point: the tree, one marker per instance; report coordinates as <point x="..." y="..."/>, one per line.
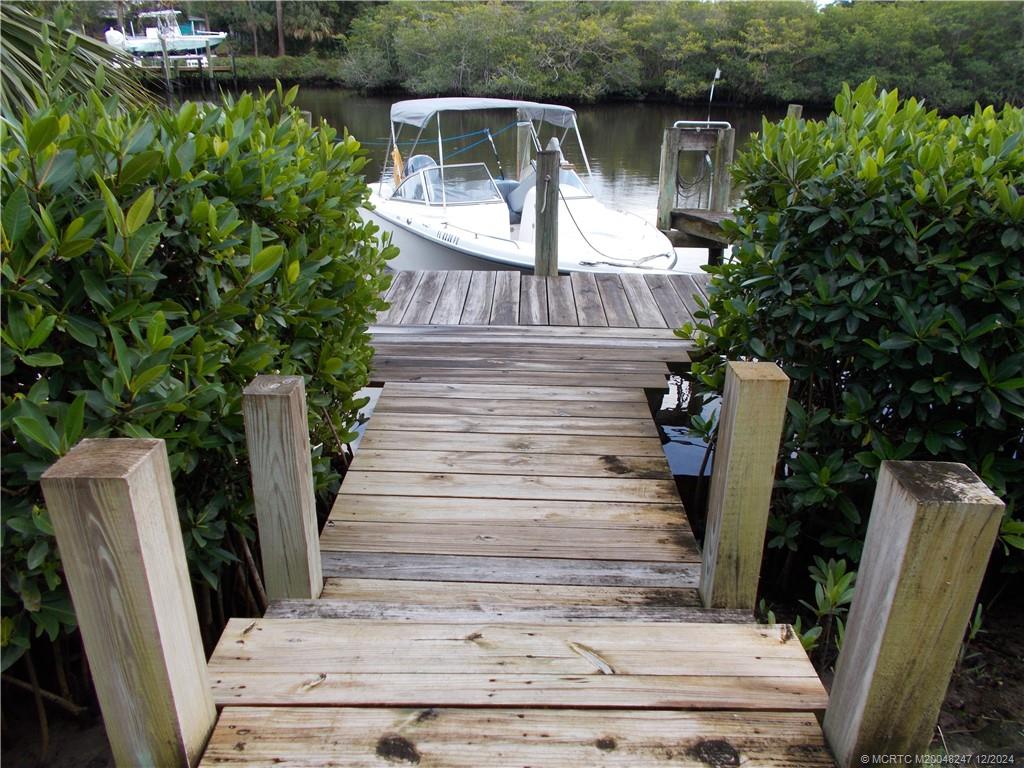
<point x="280" y="28"/>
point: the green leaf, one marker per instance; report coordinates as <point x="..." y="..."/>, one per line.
<point x="43" y="359"/>
<point x="186" y="116"/>
<point x="818" y="223"/>
<point x="140" y="167"/>
<point x="41" y="332"/>
<point x="42" y="133"/>
<point x="113" y="207"/>
<point x="121" y="356"/>
<point x="267" y="260"/>
<point x="74" y="421"/>
<point x="139" y="212"/>
<point x="17" y="215"/>
<point x="37" y="554"/>
<point x="39" y="432"/>
<point x="147" y="377"/>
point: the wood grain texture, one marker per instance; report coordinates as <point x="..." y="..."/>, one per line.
<point x="535" y="613"/>
<point x="505" y="305"/>
<point x="656" y="649"/>
<point x="484" y="486"/>
<point x="499" y="738"/>
<point x="477" y="310"/>
<point x="663" y="545"/>
<point x="507" y="361"/>
<point x="518" y="377"/>
<point x="653" y="665"/>
<point x="113" y="511"/>
<point x="535" y="512"/>
<point x="277" y="436"/>
<point x="589" y="307"/>
<point x="561" y="302"/>
<point x="424" y="300"/>
<point x="687" y="290"/>
<point x="449" y="594"/>
<point x="584" y="445"/>
<point x="470" y="406"/>
<point x="668" y="301"/>
<point x="400" y="296"/>
<point x="546" y="205"/>
<point x="641" y="302"/>
<point x="930" y="535"/>
<point x="448" y="310"/>
<point x="529" y="349"/>
<point x="541" y="464"/>
<point x="513" y="392"/>
<point x="509" y="570"/>
<point x="655" y="333"/>
<point x="508" y="425"/>
<point x="533" y="300"/>
<point x="749" y="433"/>
<point x="615" y="301"/>
<point x="497" y="689"/>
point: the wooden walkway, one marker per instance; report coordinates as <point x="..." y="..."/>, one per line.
<point x="509" y="573"/>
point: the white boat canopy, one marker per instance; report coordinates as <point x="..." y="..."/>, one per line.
<point x="418" y="112"/>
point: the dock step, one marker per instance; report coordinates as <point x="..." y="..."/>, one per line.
<point x="322" y="662"/>
<point x="501" y="738"/>
<point x="455" y="601"/>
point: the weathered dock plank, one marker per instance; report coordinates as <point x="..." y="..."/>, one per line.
<point x="539" y="513"/>
<point x="505" y="304"/>
<point x="510" y="570"/>
<point x="475" y="738"/>
<point x="550" y="464"/>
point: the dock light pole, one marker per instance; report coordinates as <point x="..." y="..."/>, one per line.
<point x="549" y="163"/>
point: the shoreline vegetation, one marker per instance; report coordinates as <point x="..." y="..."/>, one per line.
<point x="950" y="54"/>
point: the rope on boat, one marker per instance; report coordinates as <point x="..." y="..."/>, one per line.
<point x="611" y="260"/>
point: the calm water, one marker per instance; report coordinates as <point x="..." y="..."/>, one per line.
<point x="623" y="140"/>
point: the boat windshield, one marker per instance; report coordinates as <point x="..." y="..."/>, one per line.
<point x="571" y="185"/>
<point x="471" y="183"/>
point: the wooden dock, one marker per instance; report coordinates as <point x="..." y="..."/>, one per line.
<point x="507" y="577"/>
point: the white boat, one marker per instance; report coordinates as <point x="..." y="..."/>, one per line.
<point x="458" y="216"/>
<point x="166" y="31"/>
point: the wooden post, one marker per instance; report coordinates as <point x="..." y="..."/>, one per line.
<point x="167" y="73"/>
<point x="546" y="232"/>
<point x="524" y="144"/>
<point x="234" y="71"/>
<point x="667" y="173"/>
<point x="794" y="110"/>
<point x="209" y="64"/>
<point x="749" y="432"/>
<point x="116" y="523"/>
<point x="277" y="434"/>
<point x="932" y="528"/>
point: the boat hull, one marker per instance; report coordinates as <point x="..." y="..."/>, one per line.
<point x="436" y="242"/>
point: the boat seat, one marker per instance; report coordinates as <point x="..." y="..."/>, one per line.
<point x="505" y="187"/>
<point x="517" y="197"/>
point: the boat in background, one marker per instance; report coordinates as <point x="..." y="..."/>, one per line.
<point x="166" y="31"/>
<point x="459" y="216"/>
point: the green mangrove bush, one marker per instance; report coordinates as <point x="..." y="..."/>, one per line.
<point x="879" y="260"/>
<point x="155" y="261"/>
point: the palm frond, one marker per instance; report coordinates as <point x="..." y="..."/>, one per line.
<point x="27" y="41"/>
